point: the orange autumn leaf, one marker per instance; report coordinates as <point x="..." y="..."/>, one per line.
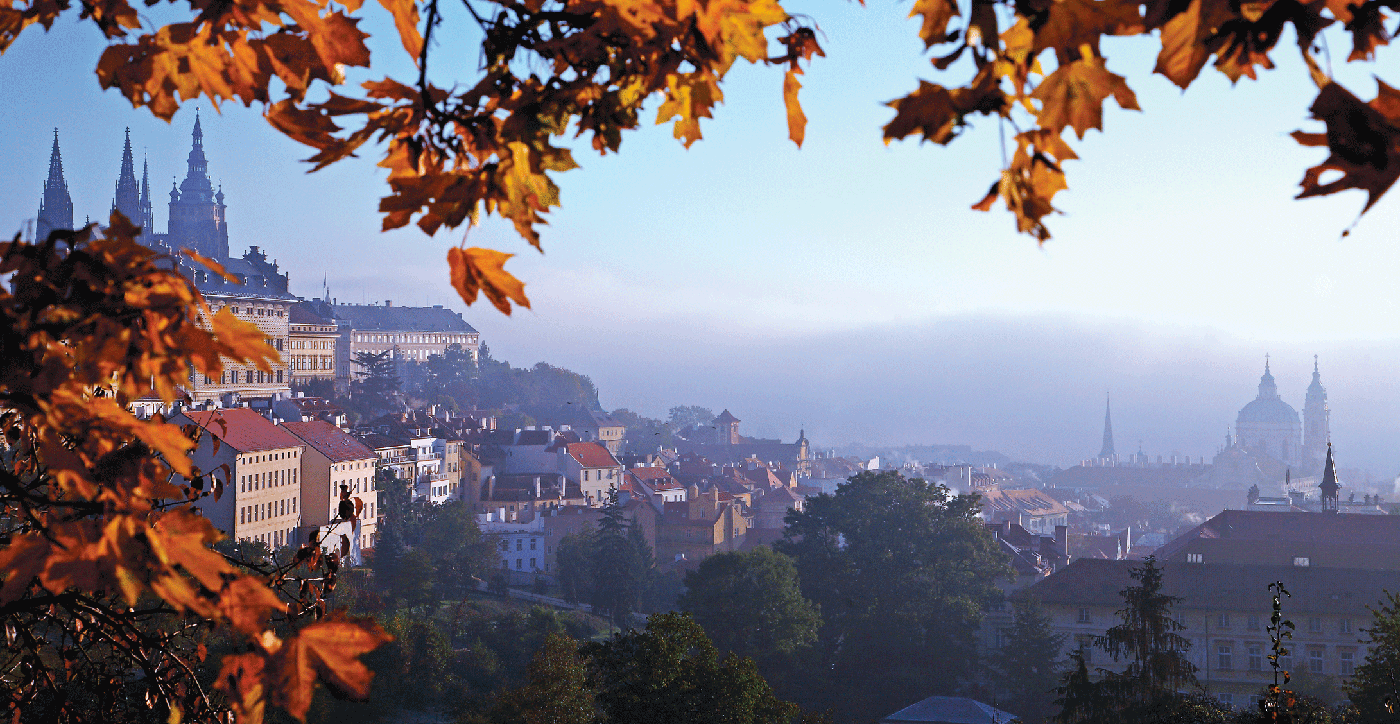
<point x="476" y="270"/>
<point x="328" y="651"/>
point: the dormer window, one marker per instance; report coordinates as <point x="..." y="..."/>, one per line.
<point x="1301" y="561"/>
<point x="1195" y="558"/>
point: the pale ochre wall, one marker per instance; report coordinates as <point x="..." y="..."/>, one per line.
<point x="280" y="469"/>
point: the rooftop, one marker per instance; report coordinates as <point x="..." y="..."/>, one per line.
<point x="329" y="440"/>
<point x="243" y="429"/>
<point x="403" y="319"/>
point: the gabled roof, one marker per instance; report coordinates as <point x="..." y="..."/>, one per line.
<point x="243" y="430"/>
<point x="591" y="455"/>
<point x="1031" y="502"/>
<point x="329" y="440"/>
<point x="951" y="710"/>
<point x="725" y="418"/>
<point x="403" y="319"/>
<point x="1266" y="526"/>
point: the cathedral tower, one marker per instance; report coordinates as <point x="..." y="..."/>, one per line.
<point x="196" y="212"/>
<point x="147" y="220"/>
<point x="128" y="195"/>
<point x="1316" y="421"/>
<point x="1107" y="451"/>
<point x="56" y="208"/>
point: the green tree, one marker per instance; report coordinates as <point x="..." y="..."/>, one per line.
<point x="616" y="566"/>
<point x="558" y="690"/>
<point x="1147" y="638"/>
<point x="575" y="562"/>
<point x="751" y="604"/>
<point x="378" y="390"/>
<point x="670" y="672"/>
<point x="1082" y="699"/>
<point x="1028" y="664"/>
<point x="1375" y="687"/>
<point x="684" y="416"/>
<point x="900" y="569"/>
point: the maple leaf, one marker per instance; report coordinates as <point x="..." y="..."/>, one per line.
<point x="939" y="112"/>
<point x="797" y="120"/>
<point x="327" y="650"/>
<point x="1184" y="52"/>
<point x="1364" y="140"/>
<point x="937" y="14"/>
<point x="689" y="97"/>
<point x="483" y="270"/>
<point x="1366" y="23"/>
<point x="1069" y="24"/>
<point x="1074" y="94"/>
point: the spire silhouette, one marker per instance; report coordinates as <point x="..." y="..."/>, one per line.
<point x="56" y="206"/>
<point x="1329" y="486"/>
<point x="1107" y="451"/>
<point x="128" y="193"/>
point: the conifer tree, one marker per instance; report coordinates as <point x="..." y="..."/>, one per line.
<point x="1148" y="639"/>
<point x="1029" y="662"/>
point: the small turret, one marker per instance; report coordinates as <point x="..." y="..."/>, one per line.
<point x="1329" y="486"/>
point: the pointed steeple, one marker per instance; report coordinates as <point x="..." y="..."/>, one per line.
<point x="128" y="193"/>
<point x="196" y="212"/>
<point x="1107" y="451"/>
<point x="1329" y="486"/>
<point x="56" y="207"/>
<point x="196" y="186"/>
<point x="148" y="220"/>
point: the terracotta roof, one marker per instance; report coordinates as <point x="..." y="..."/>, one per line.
<point x="243" y="430"/>
<point x="329" y="440"/>
<point x="1032" y="502"/>
<point x="1224" y="587"/>
<point x="649" y="473"/>
<point x="591" y="455"/>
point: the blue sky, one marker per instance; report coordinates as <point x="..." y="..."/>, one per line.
<point x="711" y="275"/>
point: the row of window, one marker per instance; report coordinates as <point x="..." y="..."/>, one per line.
<point x="302" y="362"/>
<point x="269" y="479"/>
<point x="519" y="544"/>
<point x="1299" y="561"/>
<point x="312" y="344"/>
<point x="270" y="509"/>
<point x="268" y="457"/>
<point x="1256" y="659"/>
<point x="519" y="564"/>
<point x="276" y="538"/>
<point x="410" y="338"/>
<point x="599" y="475"/>
<point x="235" y="377"/>
<point x="1252" y="622"/>
<point x="258" y="311"/>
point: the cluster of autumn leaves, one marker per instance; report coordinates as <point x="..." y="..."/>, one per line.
<point x="550" y="68"/>
<point x="101" y="509"/>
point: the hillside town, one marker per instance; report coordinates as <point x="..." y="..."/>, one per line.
<point x="368" y="415"/>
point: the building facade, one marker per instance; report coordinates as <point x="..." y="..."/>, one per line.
<point x="311" y="342"/>
<point x="408" y="334"/>
<point x="335" y="458"/>
<point x="262" y="495"/>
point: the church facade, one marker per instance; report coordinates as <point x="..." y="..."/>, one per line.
<point x="197" y="223"/>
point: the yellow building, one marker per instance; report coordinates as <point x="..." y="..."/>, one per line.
<point x="311" y="342"/>
<point x="261" y="499"/>
<point x="334" y="458"/>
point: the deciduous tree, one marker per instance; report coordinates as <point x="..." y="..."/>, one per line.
<point x="111" y="585"/>
<point x="900" y="569"/>
<point x="750" y="604"/>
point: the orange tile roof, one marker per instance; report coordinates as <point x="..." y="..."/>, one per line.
<point x="329" y="440"/>
<point x="243" y="430"/>
<point x="591" y="455"/>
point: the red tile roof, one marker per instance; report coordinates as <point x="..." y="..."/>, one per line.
<point x="329" y="440"/>
<point x="650" y="473"/>
<point x="243" y="430"/>
<point x="592" y="455"/>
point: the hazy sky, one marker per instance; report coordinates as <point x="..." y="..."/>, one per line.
<point x="847" y="286"/>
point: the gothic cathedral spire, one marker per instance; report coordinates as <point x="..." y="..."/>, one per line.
<point x="1107" y="451"/>
<point x="147" y="220"/>
<point x="56" y="207"/>
<point x="128" y="196"/>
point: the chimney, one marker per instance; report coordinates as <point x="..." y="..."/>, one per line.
<point x="491" y="488"/>
<point x="1062" y="544"/>
<point x="537" y="487"/>
<point x="388" y="302"/>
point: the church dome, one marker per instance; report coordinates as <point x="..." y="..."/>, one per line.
<point x="1268" y="411"/>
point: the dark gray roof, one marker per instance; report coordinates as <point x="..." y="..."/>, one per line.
<point x="950" y="710"/>
<point x="406" y="319"/>
<point x="1222" y="587"/>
